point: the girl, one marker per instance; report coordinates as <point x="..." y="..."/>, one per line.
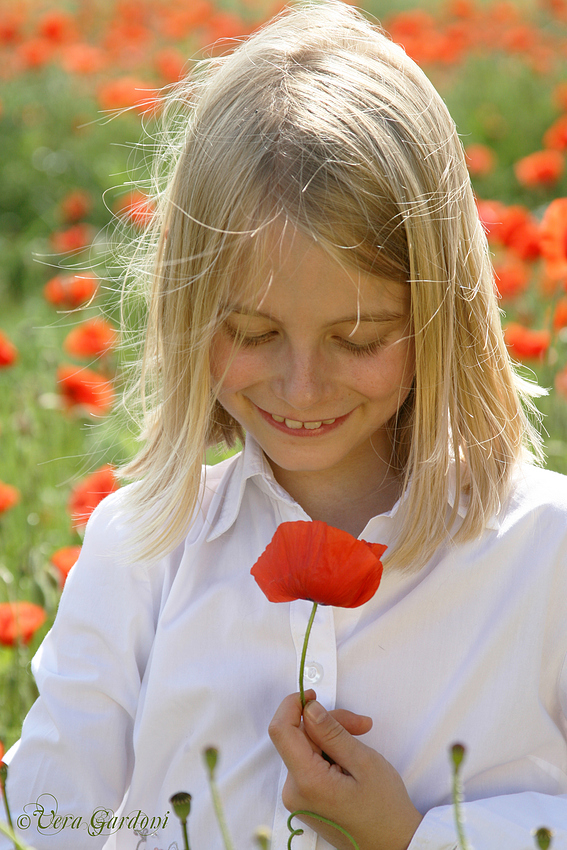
<point x="319" y="288"/>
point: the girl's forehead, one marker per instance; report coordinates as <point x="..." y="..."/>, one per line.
<point x="297" y="271"/>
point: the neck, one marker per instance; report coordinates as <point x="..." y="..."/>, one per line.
<point x="348" y="503"/>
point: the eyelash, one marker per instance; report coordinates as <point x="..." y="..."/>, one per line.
<point x="358" y="350"/>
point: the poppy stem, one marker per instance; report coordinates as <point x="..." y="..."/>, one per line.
<point x="304" y="653"/>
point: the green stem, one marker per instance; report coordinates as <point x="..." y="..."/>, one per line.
<point x="457" y="799"/>
<point x="185" y="834"/>
<point x="304" y="654"/>
<point x="217" y="805"/>
<point x="18" y="845"/>
<point x="320" y="818"/>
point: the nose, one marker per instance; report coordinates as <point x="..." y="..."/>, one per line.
<point x="302" y="380"/>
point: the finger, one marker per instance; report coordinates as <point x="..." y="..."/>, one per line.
<point x="355" y="724"/>
<point x="333" y="738"/>
<point x="287" y="733"/>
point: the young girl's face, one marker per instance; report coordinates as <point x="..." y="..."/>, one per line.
<point x="325" y="362"/>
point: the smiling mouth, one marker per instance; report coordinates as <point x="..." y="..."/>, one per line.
<point x="295" y="424"/>
<point x="301" y="427"/>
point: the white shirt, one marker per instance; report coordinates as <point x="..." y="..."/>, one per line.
<point x="147" y="665"/>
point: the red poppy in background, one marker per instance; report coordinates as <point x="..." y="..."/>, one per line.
<point x="512" y="277"/>
<point x="560" y="383"/>
<point x="57" y="26"/>
<point x="136" y="207"/>
<point x="71" y="290"/>
<point x="178" y="22"/>
<point x="93" y="338"/>
<point x="555" y="136"/>
<point x="560" y="95"/>
<point x="89" y="493"/>
<point x="75" y="238"/>
<point x="75" y="205"/>
<point x="560" y="314"/>
<point x="513" y="226"/>
<point x="8" y="351"/>
<point x="85" y="388"/>
<point x="170" y="64"/>
<point x="82" y="58"/>
<point x="35" y="52"/>
<point x="525" y="343"/>
<point x="9" y="496"/>
<point x="127" y="93"/>
<point x="19" y="621"/>
<point x="313" y="560"/>
<point x="542" y="168"/>
<point x="553" y="239"/>
<point x="64" y="559"/>
<point x="481" y="160"/>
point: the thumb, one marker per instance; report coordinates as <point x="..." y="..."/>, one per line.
<point x="328" y="734"/>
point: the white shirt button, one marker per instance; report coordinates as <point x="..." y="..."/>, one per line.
<point x="313" y="672"/>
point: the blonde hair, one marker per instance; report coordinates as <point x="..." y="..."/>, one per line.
<point x="320" y="121"/>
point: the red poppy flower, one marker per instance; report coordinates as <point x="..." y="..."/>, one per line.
<point x="8" y="351"/>
<point x="525" y="343"/>
<point x="35" y="52"/>
<point x="512" y="277"/>
<point x="136" y="207"/>
<point x="57" y="26"/>
<point x="87" y="495"/>
<point x="560" y="314"/>
<point x="75" y="238"/>
<point x="93" y="338"/>
<point x="313" y="560"/>
<point x="560" y="382"/>
<point x="553" y="239"/>
<point x="480" y="160"/>
<point x="542" y="168"/>
<point x="556" y="135"/>
<point x="127" y="93"/>
<point x="82" y="58"/>
<point x="75" y="205"/>
<point x="560" y="95"/>
<point x="9" y="496"/>
<point x="19" y="621"/>
<point x="64" y="559"/>
<point x="85" y="388"/>
<point x="71" y="290"/>
<point x="170" y="64"/>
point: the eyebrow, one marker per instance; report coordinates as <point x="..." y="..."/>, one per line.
<point x="382" y="316"/>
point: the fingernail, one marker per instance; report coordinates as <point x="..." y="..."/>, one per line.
<point x="316" y="711"/>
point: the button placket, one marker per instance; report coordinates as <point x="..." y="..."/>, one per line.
<point x="321" y="666"/>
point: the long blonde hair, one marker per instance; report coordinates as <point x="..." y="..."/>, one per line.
<point x="319" y="121"/>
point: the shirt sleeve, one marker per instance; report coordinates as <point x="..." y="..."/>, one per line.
<point x="88" y="671"/>
<point x="506" y="821"/>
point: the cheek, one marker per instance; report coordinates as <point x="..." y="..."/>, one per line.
<point x="232" y="370"/>
<point x="389" y="376"/>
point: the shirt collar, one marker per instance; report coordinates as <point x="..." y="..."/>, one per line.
<point x="251" y="463"/>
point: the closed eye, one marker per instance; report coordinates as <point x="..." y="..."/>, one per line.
<point x="361" y="350"/>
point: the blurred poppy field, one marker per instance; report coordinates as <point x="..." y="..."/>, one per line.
<point x="78" y="88"/>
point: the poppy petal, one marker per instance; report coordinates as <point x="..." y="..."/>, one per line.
<point x="312" y="560"/>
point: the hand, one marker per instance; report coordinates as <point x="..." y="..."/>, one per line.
<point x="360" y="791"/>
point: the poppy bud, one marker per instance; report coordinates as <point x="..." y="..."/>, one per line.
<point x="211" y="757"/>
<point x="262" y="837"/>
<point x="543" y="838"/>
<point x="181" y="803"/>
<point x="458" y="754"/>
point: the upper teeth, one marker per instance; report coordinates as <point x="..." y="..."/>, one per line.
<point x="295" y="423"/>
